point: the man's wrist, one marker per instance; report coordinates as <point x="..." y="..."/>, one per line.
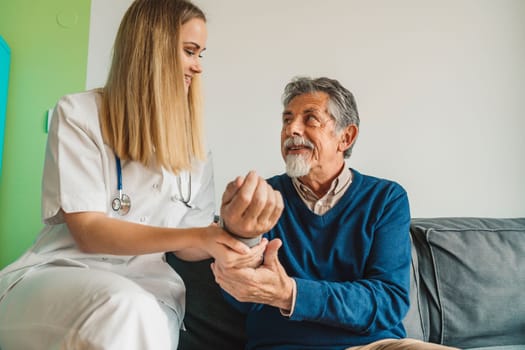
<point x="250" y="242"/>
<point x="290" y="300"/>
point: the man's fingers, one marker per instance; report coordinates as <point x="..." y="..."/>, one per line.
<point x="270" y="255"/>
<point x="237" y="202"/>
<point x="259" y="201"/>
<point x="231" y="189"/>
<point x="272" y="211"/>
<point x="250" y="206"/>
<point x="233" y="212"/>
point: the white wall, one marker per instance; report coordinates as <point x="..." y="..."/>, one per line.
<point x="439" y="86"/>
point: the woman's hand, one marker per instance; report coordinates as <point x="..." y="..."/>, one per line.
<point x="229" y="251"/>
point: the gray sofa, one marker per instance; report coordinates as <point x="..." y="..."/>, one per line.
<point x="468" y="282"/>
<point x="467" y="289"/>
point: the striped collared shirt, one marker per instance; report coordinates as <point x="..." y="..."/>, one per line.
<point x="321" y="205"/>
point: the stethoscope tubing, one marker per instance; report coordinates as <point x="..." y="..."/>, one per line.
<point x="119" y="174"/>
<point x="122" y="203"/>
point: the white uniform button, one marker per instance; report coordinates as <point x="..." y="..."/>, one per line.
<point x="143" y="219"/>
<point x="155" y="186"/>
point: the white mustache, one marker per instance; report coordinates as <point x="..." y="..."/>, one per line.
<point x="298" y="141"/>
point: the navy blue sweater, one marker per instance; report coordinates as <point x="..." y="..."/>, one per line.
<point x="351" y="266"/>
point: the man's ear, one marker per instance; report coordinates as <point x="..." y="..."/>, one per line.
<point x="348" y="137"/>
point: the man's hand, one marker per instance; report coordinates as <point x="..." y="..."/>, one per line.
<point x="250" y="206"/>
<point x="268" y="284"/>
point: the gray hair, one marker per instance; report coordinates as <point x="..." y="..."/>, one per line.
<point x="341" y="103"/>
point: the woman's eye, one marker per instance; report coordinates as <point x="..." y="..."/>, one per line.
<point x="192" y="52"/>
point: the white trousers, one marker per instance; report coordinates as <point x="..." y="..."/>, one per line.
<point x="80" y="308"/>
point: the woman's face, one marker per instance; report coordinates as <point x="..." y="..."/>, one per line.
<point x="193" y="35"/>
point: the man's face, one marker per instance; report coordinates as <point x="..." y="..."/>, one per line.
<point x="309" y="143"/>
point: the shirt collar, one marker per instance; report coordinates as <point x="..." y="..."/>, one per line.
<point x="340" y="183"/>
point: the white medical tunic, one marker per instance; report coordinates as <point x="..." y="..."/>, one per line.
<point x="80" y="175"/>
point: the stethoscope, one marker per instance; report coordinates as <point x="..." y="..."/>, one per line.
<point x="122" y="203"/>
<point x="180" y="197"/>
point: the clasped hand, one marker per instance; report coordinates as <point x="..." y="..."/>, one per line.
<point x="250" y="206"/>
<point x="265" y="284"/>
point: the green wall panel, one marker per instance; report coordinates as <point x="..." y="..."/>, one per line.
<point x="49" y="44"/>
<point x="5" y="59"/>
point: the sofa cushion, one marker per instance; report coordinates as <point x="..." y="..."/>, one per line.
<point x="210" y="322"/>
<point x="471" y="280"/>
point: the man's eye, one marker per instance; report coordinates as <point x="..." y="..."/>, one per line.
<point x="311" y="120"/>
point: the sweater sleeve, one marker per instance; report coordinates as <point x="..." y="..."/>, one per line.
<point x="379" y="299"/>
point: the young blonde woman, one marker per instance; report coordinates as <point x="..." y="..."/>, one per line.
<point x="127" y="178"/>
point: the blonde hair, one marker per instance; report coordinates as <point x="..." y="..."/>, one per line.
<point x="146" y="115"/>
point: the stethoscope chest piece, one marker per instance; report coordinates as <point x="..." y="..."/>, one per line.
<point x="121" y="204"/>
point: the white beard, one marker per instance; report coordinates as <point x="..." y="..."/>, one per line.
<point x="297" y="165"/>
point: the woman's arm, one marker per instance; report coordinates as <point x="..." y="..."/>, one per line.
<point x="94" y="232"/>
<point x="97" y="233"/>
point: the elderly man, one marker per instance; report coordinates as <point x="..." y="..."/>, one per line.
<point x="336" y="270"/>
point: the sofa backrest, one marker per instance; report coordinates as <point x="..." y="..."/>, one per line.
<point x="468" y="281"/>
